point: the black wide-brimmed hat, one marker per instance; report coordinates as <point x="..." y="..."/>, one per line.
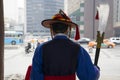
<point x="63" y="18"/>
<point x="60" y="17"/>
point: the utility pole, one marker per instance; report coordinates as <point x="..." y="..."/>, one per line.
<point x="94" y="19"/>
<point x="1" y="41"/>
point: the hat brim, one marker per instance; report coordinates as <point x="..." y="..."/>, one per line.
<point x="47" y="23"/>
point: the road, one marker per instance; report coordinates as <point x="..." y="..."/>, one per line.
<point x="16" y="62"/>
<point x="108" y="62"/>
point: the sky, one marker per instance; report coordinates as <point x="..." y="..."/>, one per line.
<point x="11" y="8"/>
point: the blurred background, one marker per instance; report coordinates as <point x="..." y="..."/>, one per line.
<point x="22" y="25"/>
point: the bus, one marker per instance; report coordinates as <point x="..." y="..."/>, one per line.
<point x="13" y="37"/>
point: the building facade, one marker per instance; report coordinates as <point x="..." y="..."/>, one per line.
<point x="91" y="25"/>
<point x="83" y="13"/>
<point x="116" y="11"/>
<point x="72" y="6"/>
<point x="116" y="18"/>
<point x="75" y="10"/>
<point x="38" y="10"/>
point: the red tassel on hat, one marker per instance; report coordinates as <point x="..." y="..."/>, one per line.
<point x="97" y="16"/>
<point x="77" y="35"/>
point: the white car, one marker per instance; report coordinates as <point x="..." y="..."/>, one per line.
<point x="115" y="40"/>
<point x="84" y="40"/>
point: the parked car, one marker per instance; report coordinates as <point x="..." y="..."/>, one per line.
<point x="115" y="40"/>
<point x="106" y="43"/>
<point x="84" y="40"/>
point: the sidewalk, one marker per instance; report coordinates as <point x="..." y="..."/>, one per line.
<point x="16" y="63"/>
<point x="21" y="77"/>
<point x="110" y="77"/>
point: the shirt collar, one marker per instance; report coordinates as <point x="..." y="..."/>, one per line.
<point x="60" y="36"/>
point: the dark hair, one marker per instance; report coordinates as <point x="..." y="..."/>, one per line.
<point x="59" y="27"/>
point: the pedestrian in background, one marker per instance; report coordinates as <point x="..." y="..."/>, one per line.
<point x="28" y="47"/>
<point x="62" y="58"/>
<point x="38" y="43"/>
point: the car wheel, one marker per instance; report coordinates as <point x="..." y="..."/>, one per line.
<point x="94" y="46"/>
<point x="110" y="46"/>
<point x="13" y="43"/>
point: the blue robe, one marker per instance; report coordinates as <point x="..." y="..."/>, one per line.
<point x="85" y="69"/>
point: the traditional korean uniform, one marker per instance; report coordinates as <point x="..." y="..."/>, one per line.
<point x="53" y="63"/>
<point x="61" y="58"/>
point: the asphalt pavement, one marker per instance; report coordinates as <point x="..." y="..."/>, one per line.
<point x="16" y="62"/>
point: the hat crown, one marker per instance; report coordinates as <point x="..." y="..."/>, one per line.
<point x="61" y="16"/>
